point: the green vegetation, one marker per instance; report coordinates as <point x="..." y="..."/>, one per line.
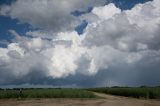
<point x="45" y="93"/>
<point x="137" y="92"/>
<point x="141" y="92"/>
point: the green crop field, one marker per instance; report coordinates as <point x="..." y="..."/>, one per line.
<point x="136" y="92"/>
<point x="45" y="93"/>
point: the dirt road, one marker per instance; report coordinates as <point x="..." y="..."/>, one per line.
<point x="107" y="100"/>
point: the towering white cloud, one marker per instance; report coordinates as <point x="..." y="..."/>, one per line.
<point x="119" y="45"/>
<point x="129" y="30"/>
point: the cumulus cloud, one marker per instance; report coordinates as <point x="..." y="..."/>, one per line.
<point x="117" y="47"/>
<point x="106" y="12"/>
<point x="124" y="31"/>
<point x="49" y="14"/>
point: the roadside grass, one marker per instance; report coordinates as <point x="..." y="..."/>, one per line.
<point x="136" y="92"/>
<point x="45" y="93"/>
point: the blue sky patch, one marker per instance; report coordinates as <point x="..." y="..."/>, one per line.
<point x="81" y="27"/>
<point x="126" y="4"/>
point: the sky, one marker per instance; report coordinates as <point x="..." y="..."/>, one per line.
<point x="75" y="43"/>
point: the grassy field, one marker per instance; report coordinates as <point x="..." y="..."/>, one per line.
<point x="141" y="92"/>
<point x="137" y="92"/>
<point x="45" y="93"/>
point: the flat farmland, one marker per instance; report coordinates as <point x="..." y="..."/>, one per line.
<point x="69" y="97"/>
<point x="106" y="100"/>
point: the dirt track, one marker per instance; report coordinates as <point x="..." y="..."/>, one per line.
<point x="107" y="100"/>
